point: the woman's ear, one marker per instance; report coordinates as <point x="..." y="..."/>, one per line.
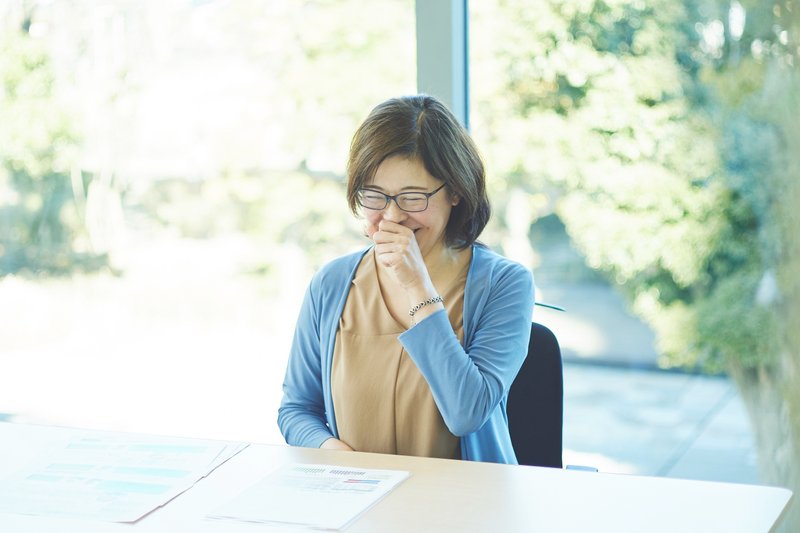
<point x="454" y="200"/>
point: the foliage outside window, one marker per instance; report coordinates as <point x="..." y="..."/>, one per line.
<point x="665" y="136"/>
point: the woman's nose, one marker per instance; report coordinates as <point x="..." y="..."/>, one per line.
<point x="393" y="213"/>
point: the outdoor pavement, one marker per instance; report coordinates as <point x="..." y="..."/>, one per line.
<point x="624" y="415"/>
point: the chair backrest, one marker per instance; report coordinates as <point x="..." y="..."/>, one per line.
<point x="536" y="402"/>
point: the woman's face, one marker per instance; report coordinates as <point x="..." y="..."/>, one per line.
<point x="398" y="174"/>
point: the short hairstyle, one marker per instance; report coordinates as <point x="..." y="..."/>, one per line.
<point x="421" y="127"/>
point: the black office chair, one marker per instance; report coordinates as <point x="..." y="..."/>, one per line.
<point x="536" y="402"/>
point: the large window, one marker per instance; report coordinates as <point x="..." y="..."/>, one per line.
<point x="643" y="162"/>
<point x="171" y="174"/>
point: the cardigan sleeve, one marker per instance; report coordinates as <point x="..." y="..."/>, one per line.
<point x="301" y="416"/>
<point x="467" y="383"/>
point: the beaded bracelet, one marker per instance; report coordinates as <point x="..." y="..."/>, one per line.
<point x="429" y="301"/>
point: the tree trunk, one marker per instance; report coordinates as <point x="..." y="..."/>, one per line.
<point x="769" y="394"/>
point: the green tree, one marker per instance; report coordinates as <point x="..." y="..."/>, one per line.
<point x="39" y="223"/>
<point x="195" y="115"/>
<point x="755" y="83"/>
<point x="669" y="131"/>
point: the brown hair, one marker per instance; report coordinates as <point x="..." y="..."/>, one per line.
<point x="422" y="127"/>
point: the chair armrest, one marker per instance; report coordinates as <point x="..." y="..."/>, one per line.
<point x="581" y="468"/>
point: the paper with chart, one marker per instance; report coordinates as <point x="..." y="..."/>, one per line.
<point x="114" y="478"/>
<point x="316" y="496"/>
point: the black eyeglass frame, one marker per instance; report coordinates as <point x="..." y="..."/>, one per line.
<point x="389" y="198"/>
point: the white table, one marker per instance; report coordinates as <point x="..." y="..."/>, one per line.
<point x="444" y="495"/>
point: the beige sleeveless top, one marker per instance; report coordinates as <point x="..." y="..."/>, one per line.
<point x="382" y="402"/>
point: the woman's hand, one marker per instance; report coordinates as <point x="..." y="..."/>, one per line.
<point x="397" y="250"/>
<point x="335" y="444"/>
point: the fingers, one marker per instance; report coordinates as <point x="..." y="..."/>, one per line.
<point x="384" y="237"/>
<point x="396" y="249"/>
<point x="392" y="227"/>
<point x="389" y="254"/>
<point x="392" y="232"/>
<point x="389" y="227"/>
<point x="335" y="444"/>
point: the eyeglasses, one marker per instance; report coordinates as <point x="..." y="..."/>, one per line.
<point x="411" y="202"/>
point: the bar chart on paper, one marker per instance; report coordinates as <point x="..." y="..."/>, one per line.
<point x="107" y="477"/>
<point x="311" y="495"/>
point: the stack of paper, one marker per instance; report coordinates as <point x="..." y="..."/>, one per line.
<point x="318" y="496"/>
<point x="111" y="477"/>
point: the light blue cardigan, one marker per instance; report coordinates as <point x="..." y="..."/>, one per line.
<point x="469" y="384"/>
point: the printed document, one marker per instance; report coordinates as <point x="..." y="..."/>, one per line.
<point x="108" y="477"/>
<point x="309" y="495"/>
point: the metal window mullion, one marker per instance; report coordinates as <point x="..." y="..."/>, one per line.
<point x="442" y="53"/>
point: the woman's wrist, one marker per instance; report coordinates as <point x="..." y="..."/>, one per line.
<point x="423" y="300"/>
<point x="432" y="304"/>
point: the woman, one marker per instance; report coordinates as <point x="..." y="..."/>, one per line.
<point x="410" y="346"/>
